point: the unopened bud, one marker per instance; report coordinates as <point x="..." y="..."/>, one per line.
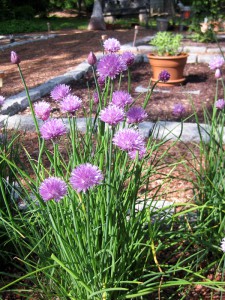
<point x="92" y="59"/>
<point x="217" y="74"/>
<point x="14" y="58"/>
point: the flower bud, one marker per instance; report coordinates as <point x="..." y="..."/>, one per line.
<point x="92" y="59"/>
<point x="14" y="58"/>
<point x="217" y="74"/>
<point x="164" y="76"/>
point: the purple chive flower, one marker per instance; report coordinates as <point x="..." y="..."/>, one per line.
<point x="111" y="45"/>
<point x="2" y="99"/>
<point x="121" y="98"/>
<point x="222" y="246"/>
<point x="112" y="115"/>
<point x="178" y="110"/>
<point x="164" y="76"/>
<point x="218" y="74"/>
<point x="130" y="140"/>
<point x="128" y="57"/>
<point x="60" y="91"/>
<point x="53" y="188"/>
<point x="85" y="176"/>
<point x="70" y="104"/>
<point x="101" y="81"/>
<point x="95" y="97"/>
<point x="91" y="59"/>
<point x="216" y="62"/>
<point x="220" y="104"/>
<point x="15" y="59"/>
<point x="52" y="129"/>
<point x="136" y="114"/>
<point x="110" y="65"/>
<point x="42" y="110"/>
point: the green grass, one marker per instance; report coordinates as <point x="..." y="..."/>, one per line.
<point x="40" y="25"/>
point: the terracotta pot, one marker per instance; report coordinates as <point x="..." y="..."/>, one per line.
<point x="173" y="64"/>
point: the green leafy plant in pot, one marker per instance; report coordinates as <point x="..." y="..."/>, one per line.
<point x="168" y="56"/>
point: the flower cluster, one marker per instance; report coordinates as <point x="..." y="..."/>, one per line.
<point x="215" y="64"/>
<point x="164" y="76"/>
<point x="112" y="64"/>
<point x="179" y="110"/>
<point x="220" y="104"/>
<point x="83" y="177"/>
<point x="131" y="141"/>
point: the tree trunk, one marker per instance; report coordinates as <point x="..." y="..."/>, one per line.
<point x="97" y="21"/>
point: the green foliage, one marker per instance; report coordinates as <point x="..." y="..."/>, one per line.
<point x="167" y="43"/>
<point x="206" y="37"/>
<point x="25" y="12"/>
<point x="40" y="25"/>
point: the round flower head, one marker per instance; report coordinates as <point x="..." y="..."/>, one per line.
<point x="2" y="99"/>
<point x="216" y="62"/>
<point x="14" y="57"/>
<point x="53" y="188"/>
<point x="178" y="110"/>
<point x="121" y="98"/>
<point x="218" y="74"/>
<point x="70" y="104"/>
<point x="164" y="76"/>
<point x="130" y="140"/>
<point x="91" y="59"/>
<point x="136" y="114"/>
<point x="111" y="45"/>
<point x="223" y="245"/>
<point x="110" y="66"/>
<point x="112" y="115"/>
<point x="52" y="129"/>
<point x="220" y="104"/>
<point x="85" y="176"/>
<point x="42" y="110"/>
<point x="128" y="57"/>
<point x="60" y="91"/>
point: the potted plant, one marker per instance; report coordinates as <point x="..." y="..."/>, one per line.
<point x="168" y="57"/>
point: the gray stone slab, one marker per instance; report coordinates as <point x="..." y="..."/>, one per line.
<point x="138" y="58"/>
<point x="192" y="58"/>
<point x="141" y="89"/>
<point x="63" y="79"/>
<point x="215" y="50"/>
<point x="186" y="132"/>
<point x="128" y="48"/>
<point x="84" y="67"/>
<point x="76" y="75"/>
<point x="21" y="122"/>
<point x="146" y="128"/>
<point x="146" y="49"/>
<point x="193" y="49"/>
<point x="204" y="58"/>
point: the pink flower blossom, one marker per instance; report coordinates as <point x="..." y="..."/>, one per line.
<point x="121" y="98"/>
<point x="111" y="45"/>
<point x="128" y="57"/>
<point x="110" y="66"/>
<point x="112" y="115"/>
<point x="2" y="99"/>
<point x="136" y="114"/>
<point x="52" y="129"/>
<point x="131" y="141"/>
<point x="216" y="62"/>
<point x="53" y="188"/>
<point x="42" y="110"/>
<point x="85" y="176"/>
<point x="60" y="91"/>
<point x="220" y="104"/>
<point x="70" y="104"/>
<point x="15" y="59"/>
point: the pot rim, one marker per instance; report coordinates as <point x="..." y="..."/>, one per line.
<point x="168" y="57"/>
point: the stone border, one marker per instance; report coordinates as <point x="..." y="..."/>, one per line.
<point x="31" y="40"/>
